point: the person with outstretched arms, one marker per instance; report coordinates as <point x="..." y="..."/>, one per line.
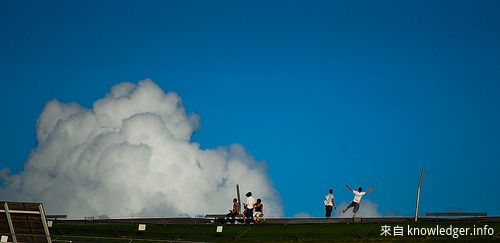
<point x="357" y="199"/>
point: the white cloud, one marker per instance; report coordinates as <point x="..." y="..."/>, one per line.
<point x="132" y="154"/>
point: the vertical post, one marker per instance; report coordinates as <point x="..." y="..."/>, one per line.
<point x="44" y="223"/>
<point x="238" y="194"/>
<point x="418" y="194"/>
<point x="9" y="221"/>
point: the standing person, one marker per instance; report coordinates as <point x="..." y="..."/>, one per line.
<point x="258" y="211"/>
<point x="329" y="204"/>
<point x="249" y="208"/>
<point x="357" y="199"/>
<point x="235" y="211"/>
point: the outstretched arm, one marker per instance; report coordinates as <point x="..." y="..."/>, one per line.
<point x="371" y="188"/>
<point x="348" y="187"/>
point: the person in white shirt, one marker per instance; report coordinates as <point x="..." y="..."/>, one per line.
<point x="357" y="199"/>
<point x="329" y="204"/>
<point x="249" y="208"/>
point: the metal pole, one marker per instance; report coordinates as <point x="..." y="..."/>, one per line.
<point x="238" y="192"/>
<point x="9" y="221"/>
<point x="418" y="194"/>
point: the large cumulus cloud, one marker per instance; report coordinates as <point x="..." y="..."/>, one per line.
<point x="132" y="154"/>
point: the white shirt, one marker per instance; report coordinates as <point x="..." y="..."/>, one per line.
<point x="250" y="202"/>
<point x="328" y="200"/>
<point x="357" y="196"/>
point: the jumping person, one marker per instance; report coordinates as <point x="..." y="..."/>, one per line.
<point x="235" y="211"/>
<point x="249" y="208"/>
<point x="357" y="199"/>
<point x="329" y="204"/>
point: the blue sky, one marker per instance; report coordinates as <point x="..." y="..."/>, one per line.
<point x="325" y="92"/>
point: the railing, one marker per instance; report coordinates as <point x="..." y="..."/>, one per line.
<point x="32" y="218"/>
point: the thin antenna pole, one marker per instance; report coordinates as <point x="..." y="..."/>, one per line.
<point x="238" y="193"/>
<point x="418" y="194"/>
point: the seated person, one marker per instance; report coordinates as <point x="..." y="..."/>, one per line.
<point x="244" y="214"/>
<point x="235" y="211"/>
<point x="258" y="214"/>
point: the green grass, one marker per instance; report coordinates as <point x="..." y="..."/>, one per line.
<point x="253" y="233"/>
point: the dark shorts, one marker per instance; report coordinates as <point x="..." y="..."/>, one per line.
<point x="328" y="211"/>
<point x="355" y="205"/>
<point x="249" y="216"/>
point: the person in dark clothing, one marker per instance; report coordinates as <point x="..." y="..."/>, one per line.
<point x="258" y="211"/>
